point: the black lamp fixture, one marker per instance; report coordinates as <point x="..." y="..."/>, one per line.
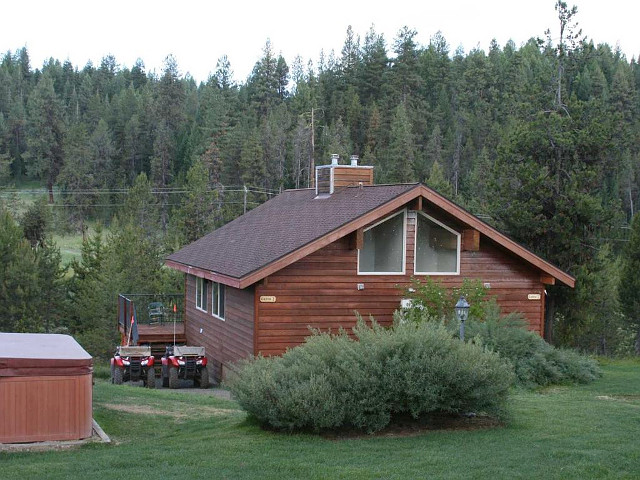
<point x="462" y="313"/>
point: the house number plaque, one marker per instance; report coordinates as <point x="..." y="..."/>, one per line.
<point x="267" y="299"/>
<point x="534" y="296"/>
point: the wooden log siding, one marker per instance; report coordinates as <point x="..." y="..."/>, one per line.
<point x="227" y="340"/>
<point x="320" y="291"/>
<point x="348" y="176"/>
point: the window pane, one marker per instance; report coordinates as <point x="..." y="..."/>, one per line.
<point x="217" y="299"/>
<point x="382" y="250"/>
<point x="204" y="294"/>
<point x="214" y="297"/>
<point x="198" y="292"/>
<point x="436" y="248"/>
<point x="221" y="300"/>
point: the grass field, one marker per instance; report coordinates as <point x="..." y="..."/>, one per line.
<point x="70" y="245"/>
<point x="569" y="432"/>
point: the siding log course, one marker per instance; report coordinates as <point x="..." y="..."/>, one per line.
<point x="225" y="341"/>
<point x="320" y="291"/>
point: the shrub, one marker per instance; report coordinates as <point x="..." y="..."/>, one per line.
<point x="536" y="363"/>
<point x="429" y="299"/>
<point x="335" y="381"/>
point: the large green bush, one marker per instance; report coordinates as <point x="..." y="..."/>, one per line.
<point x="536" y="363"/>
<point x="335" y="381"/>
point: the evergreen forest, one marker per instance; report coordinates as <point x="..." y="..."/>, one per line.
<point x="540" y="140"/>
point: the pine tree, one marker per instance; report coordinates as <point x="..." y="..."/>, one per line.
<point x="401" y="153"/>
<point x="19" y="279"/>
<point x="141" y="208"/>
<point x="77" y="178"/>
<point x="630" y="281"/>
<point x="46" y="134"/>
<point x="195" y="216"/>
<point x="438" y="182"/>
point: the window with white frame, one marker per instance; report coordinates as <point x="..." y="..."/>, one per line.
<point x="201" y="294"/>
<point x="383" y="249"/>
<point x="217" y="300"/>
<point x="437" y="247"/>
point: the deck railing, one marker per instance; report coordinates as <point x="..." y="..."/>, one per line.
<point x="149" y="309"/>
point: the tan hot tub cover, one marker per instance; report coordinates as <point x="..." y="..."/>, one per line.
<point x="45" y="388"/>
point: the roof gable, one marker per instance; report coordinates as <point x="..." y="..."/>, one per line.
<point x="296" y="223"/>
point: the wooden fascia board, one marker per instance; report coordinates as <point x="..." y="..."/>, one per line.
<point x="200" y="272"/>
<point x="382" y="210"/>
<point x="496" y="236"/>
<point x="331" y="237"/>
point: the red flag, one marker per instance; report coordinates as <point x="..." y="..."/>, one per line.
<point x="131" y="319"/>
<point x="175" y="308"/>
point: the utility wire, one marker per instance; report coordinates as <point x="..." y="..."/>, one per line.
<point x="109" y="191"/>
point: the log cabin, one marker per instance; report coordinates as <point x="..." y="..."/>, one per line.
<point x="312" y="257"/>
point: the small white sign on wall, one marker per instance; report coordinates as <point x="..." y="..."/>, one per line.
<point x="533" y="296"/>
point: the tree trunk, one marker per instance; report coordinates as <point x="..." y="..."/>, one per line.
<point x="603" y="345"/>
<point x="637" y="343"/>
<point x="549" y="314"/>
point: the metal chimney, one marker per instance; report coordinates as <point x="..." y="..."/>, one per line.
<point x="354" y="160"/>
<point x="334" y="158"/>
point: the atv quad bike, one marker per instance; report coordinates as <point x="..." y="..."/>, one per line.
<point x="133" y="363"/>
<point x="182" y="362"/>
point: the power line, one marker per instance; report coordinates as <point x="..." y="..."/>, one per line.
<point x="157" y="191"/>
<point x="52" y="205"/>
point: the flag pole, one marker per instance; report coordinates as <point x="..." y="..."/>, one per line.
<point x="131" y="327"/>
<point x="174" y="324"/>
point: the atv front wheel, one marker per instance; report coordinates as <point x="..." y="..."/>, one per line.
<point x="151" y="378"/>
<point x="173" y="377"/>
<point x="113" y="367"/>
<point x="117" y="375"/>
<point x="204" y="378"/>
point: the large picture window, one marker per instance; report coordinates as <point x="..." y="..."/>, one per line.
<point x="201" y="294"/>
<point x="383" y="249"/>
<point x="437" y="247"/>
<point x="217" y="300"/>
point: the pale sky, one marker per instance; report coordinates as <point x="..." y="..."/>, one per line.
<point x="198" y="32"/>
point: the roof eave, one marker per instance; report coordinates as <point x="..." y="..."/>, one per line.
<point x="367" y="218"/>
<point x="201" y="272"/>
<point x="497" y="237"/>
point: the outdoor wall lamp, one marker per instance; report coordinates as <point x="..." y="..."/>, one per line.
<point x="462" y="313"/>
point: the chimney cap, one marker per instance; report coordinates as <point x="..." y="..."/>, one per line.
<point x="334" y="158"/>
<point x="354" y="160"/>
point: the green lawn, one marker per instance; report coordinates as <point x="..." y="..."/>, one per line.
<point x="70" y="245"/>
<point x="580" y="432"/>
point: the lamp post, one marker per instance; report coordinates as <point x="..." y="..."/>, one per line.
<point x="462" y="312"/>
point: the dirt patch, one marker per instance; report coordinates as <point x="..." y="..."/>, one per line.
<point x="408" y="426"/>
<point x="628" y="399"/>
<point x="149" y="410"/>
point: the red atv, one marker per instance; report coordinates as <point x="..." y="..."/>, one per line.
<point x="133" y="363"/>
<point x="188" y="363"/>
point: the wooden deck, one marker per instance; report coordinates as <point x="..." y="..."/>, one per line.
<point x="160" y="333"/>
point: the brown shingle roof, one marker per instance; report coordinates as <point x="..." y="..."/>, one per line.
<point x="280" y="226"/>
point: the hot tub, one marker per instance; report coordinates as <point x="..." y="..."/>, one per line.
<point x="45" y="388"/>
